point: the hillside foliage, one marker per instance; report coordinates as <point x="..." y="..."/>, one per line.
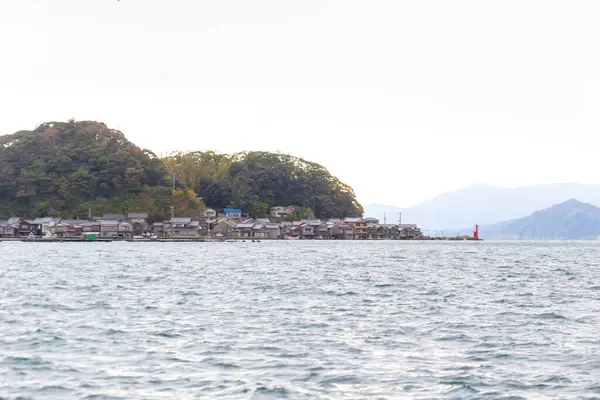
<point x="65" y="168"/>
<point x="255" y="181"/>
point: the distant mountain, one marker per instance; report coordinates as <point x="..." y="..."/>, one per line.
<point x="484" y="204"/>
<point x="569" y="220"/>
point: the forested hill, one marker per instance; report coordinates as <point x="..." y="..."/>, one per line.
<point x="255" y="181"/>
<point x="65" y="168"/>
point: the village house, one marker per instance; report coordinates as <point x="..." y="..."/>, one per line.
<point x="232" y="213"/>
<point x="69" y="228"/>
<point x="109" y="228"/>
<point x="209" y="213"/>
<point x="342" y="231"/>
<point x="259" y="231"/>
<point x="280" y="212"/>
<point x="158" y="229"/>
<point x="245" y="229"/>
<point x="359" y="227"/>
<point x="90" y="227"/>
<point x="113" y="217"/>
<point x="225" y="228"/>
<point x="47" y="224"/>
<point x="10" y="228"/>
<point x="307" y="231"/>
<point x="139" y="223"/>
<point x="182" y="226"/>
<point x="273" y="231"/>
<point x="408" y="231"/>
<point x="125" y="230"/>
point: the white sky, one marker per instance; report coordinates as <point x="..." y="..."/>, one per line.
<point x="400" y="99"/>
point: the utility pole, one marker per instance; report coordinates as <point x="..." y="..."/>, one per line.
<point x="399" y="218"/>
<point x="89" y="213"/>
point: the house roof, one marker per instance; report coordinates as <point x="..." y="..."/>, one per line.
<point x="125" y="223"/>
<point x="258" y="227"/>
<point x="180" y="220"/>
<point x="106" y="222"/>
<point x="232" y="211"/>
<point x="73" y="221"/>
<point x="137" y="215"/>
<point x="351" y="219"/>
<point x="312" y="221"/>
<point x="44" y="220"/>
<point x="113" y="217"/>
<point x="14" y="220"/>
<point x="90" y="223"/>
<point x="194" y="223"/>
<point x="272" y="226"/>
<point x="158" y="224"/>
<point x="245" y="225"/>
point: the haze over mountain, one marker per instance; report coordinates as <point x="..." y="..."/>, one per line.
<point x="571" y="220"/>
<point x="484" y="204"/>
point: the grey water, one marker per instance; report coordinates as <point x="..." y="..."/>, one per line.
<point x="300" y="319"/>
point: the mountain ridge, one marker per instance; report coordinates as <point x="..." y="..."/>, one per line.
<point x="485" y="204"/>
<point x="569" y="220"/>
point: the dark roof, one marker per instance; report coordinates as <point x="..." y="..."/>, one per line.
<point x="118" y="217"/>
<point x="137" y="215"/>
<point x="181" y="220"/>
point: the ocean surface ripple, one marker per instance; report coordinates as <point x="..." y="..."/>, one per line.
<point x="326" y="320"/>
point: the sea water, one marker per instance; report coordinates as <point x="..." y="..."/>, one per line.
<point x="300" y="319"/>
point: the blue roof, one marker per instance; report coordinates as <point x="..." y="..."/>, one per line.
<point x="232" y="211"/>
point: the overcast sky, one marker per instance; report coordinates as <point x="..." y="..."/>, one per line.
<point x="400" y="99"/>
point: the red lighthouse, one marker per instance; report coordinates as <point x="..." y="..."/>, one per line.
<point x="476" y="233"/>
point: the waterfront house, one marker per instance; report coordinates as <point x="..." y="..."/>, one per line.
<point x="158" y="229"/>
<point x="245" y="229"/>
<point x="273" y="231"/>
<point x="27" y="227"/>
<point x="109" y="228"/>
<point x="139" y="223"/>
<point x="322" y="231"/>
<point x="259" y="231"/>
<point x="342" y="231"/>
<point x="307" y="231"/>
<point x="182" y="226"/>
<point x="90" y="227"/>
<point x="7" y="230"/>
<point x="47" y="224"/>
<point x="113" y="217"/>
<point x="125" y="230"/>
<point x="69" y="228"/>
<point x="232" y="213"/>
<point x="359" y="227"/>
<point x="370" y="221"/>
<point x="225" y="228"/>
<point x="408" y="231"/>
